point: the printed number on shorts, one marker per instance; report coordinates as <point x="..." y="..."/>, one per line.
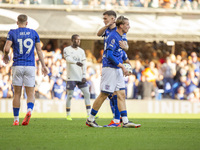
<point x="25" y="44"/>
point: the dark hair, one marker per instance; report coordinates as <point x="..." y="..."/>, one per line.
<point x="120" y="20"/>
<point x="74" y="36"/>
<point x="110" y="13"/>
<point x="22" y="18"/>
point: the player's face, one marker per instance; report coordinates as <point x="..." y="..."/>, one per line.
<point x="76" y="41"/>
<point x="125" y="26"/>
<point x="107" y="19"/>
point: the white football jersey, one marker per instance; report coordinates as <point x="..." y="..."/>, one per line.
<point x="72" y="56"/>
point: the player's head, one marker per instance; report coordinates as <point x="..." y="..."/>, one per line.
<point x="108" y="16"/>
<point x="75" y="40"/>
<point x="122" y="23"/>
<point x="22" y="19"/>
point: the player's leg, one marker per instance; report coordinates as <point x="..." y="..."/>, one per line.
<point x="16" y="103"/>
<point x="117" y="113"/>
<point x="30" y="91"/>
<point x="68" y="103"/>
<point x="115" y="122"/>
<point x="96" y="105"/>
<point x="108" y="84"/>
<point x="70" y="90"/>
<point x="29" y="83"/>
<point x="17" y="81"/>
<point x="123" y="111"/>
<point x="86" y="93"/>
<point x="121" y="96"/>
<point x="112" y="105"/>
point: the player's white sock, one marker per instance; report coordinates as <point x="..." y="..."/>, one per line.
<point x="116" y="121"/>
<point x="16" y="118"/>
<point x="88" y="111"/>
<point x="29" y="109"/>
<point x="91" y="118"/>
<point x="125" y="119"/>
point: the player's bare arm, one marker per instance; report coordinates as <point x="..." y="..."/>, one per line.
<point x="126" y="73"/>
<point x="127" y="61"/>
<point x="124" y="45"/>
<point x="41" y="58"/>
<point x="6" y="51"/>
<point x="103" y="29"/>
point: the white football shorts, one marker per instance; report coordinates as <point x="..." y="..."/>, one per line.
<point x="112" y="80"/>
<point x="23" y="75"/>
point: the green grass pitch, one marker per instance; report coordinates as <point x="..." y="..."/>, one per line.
<point x="53" y="131"/>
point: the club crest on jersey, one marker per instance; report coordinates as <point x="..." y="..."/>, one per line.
<point x="113" y="41"/>
<point x="107" y="87"/>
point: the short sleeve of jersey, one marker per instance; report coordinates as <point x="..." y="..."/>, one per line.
<point x="111" y="43"/>
<point x="124" y="56"/>
<point x="37" y="38"/>
<point x="10" y="36"/>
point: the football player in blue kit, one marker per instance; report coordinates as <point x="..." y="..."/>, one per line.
<point x="109" y="18"/>
<point x="24" y="41"/>
<point x="113" y="73"/>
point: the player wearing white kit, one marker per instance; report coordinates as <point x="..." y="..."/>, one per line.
<point x="76" y="73"/>
<point x="24" y="41"/>
<point x="112" y="75"/>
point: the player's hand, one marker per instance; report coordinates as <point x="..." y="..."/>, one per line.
<point x="6" y="59"/>
<point x="45" y="71"/>
<point x="79" y="64"/>
<point x="110" y="23"/>
<point x="123" y="45"/>
<point x="84" y="80"/>
<point x="126" y="73"/>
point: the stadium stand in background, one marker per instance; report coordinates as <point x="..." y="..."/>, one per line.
<point x="174" y="38"/>
<point x="108" y="4"/>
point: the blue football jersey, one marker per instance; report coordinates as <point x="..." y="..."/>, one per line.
<point x="124" y="56"/>
<point x="108" y="31"/>
<point x="112" y="43"/>
<point x="24" y="40"/>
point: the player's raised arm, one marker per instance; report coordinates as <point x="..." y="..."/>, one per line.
<point x="103" y="29"/>
<point x="109" y="18"/>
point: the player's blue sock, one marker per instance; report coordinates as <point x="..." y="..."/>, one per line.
<point x="117" y="114"/>
<point x="16" y="114"/>
<point x="16" y="111"/>
<point x="124" y="116"/>
<point x="92" y="115"/>
<point x="112" y="104"/>
<point x="93" y="112"/>
<point x="30" y="106"/>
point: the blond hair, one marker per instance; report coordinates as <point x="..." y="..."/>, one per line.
<point x="120" y="20"/>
